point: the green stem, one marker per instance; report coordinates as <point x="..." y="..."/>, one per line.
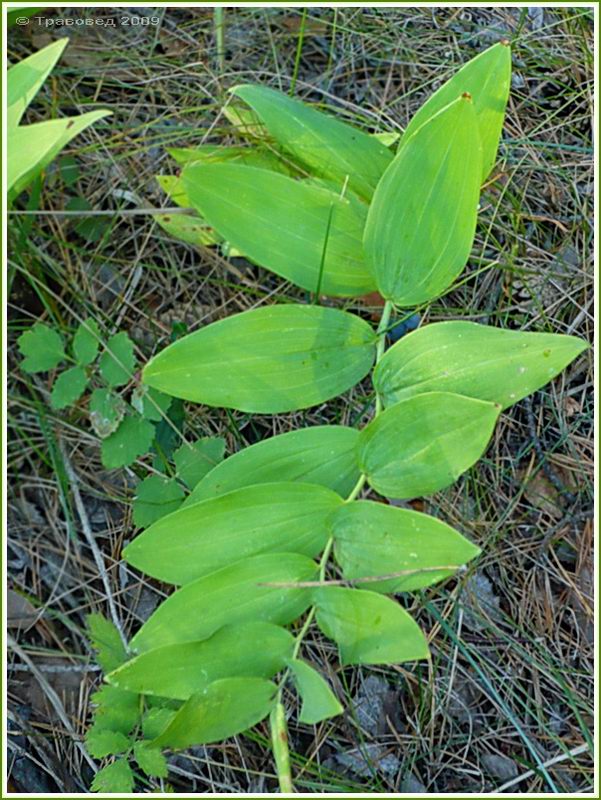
<point x="279" y="742"/>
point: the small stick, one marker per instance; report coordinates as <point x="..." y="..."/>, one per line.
<point x="368" y="579"/>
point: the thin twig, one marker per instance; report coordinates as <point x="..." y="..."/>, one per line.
<point x="575" y="751"/>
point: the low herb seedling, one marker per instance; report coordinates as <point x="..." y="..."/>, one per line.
<point x="251" y="550"/>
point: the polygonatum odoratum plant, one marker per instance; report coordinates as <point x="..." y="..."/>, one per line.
<point x="277" y="538"/>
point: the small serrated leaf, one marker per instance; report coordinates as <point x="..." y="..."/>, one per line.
<point x="195" y="461"/>
<point x="68" y="387"/>
<point x="86" y="342"/>
<point x="118" y="360"/>
<point x="106" y="640"/>
<point x="115" y="778"/>
<point x="155" y="497"/>
<point x="150" y="760"/>
<point x="106" y="412"/>
<point x="117" y="710"/>
<point x="42" y="347"/>
<point x="132" y="438"/>
<point x="102" y="743"/>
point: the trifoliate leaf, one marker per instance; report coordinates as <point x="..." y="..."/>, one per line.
<point x="86" y="342"/>
<point x="105" y="743"/>
<point x="68" y="387"/>
<point x="115" y="778"/>
<point x="42" y="347"/>
<point x="117" y="710"/>
<point x="151" y="404"/>
<point x="194" y="461"/>
<point x="150" y="760"/>
<point x="106" y="640"/>
<point x="155" y="497"/>
<point x="132" y="438"/>
<point x="118" y="360"/>
<point x="156" y="720"/>
<point x="106" y="412"/>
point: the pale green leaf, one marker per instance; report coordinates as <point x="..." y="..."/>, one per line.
<point x="194" y="461"/>
<point x="118" y="361"/>
<point x="156" y="720"/>
<point x="323" y="455"/>
<point x="189" y="229"/>
<point x="372" y="539"/>
<point x="25" y="79"/>
<point x="237" y="593"/>
<point x="225" y="708"/>
<point x="305" y="233"/>
<point x="423" y="444"/>
<point x="42" y="347"/>
<point x="106" y="411"/>
<point x="501" y="366"/>
<point x="250" y="649"/>
<point x="319" y="701"/>
<point x="325" y="145"/>
<point x="68" y="387"/>
<point x="173" y="186"/>
<point x="368" y="627"/>
<point x="132" y="438"/>
<point x="268" y="360"/>
<point x="487" y="77"/>
<point x="260" y="157"/>
<point x="150" y="760"/>
<point x="155" y="497"/>
<point x="421" y="223"/>
<point x="205" y="536"/>
<point x="106" y="640"/>
<point x="100" y="744"/>
<point x="86" y="342"/>
<point x="152" y="405"/>
<point x="115" y="778"/>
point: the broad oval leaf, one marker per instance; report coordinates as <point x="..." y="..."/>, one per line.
<point x="237" y="593"/>
<point x="203" y="537"/>
<point x="302" y="232"/>
<point x="421" y="223"/>
<point x="423" y="444"/>
<point x="319" y="701"/>
<point x="373" y="539"/>
<point x="476" y="360"/>
<point x="248" y="650"/>
<point x="261" y="157"/>
<point x="487" y="77"/>
<point x="322" y="455"/>
<point x="368" y="627"/>
<point x="268" y="360"/>
<point x="328" y="147"/>
<point x="225" y="708"/>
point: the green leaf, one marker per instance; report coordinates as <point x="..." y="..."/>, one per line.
<point x="156" y="497"/>
<point x="372" y="539"/>
<point x="106" y="743"/>
<point x="302" y="232"/>
<point x="422" y="220"/>
<point x="423" y="444"/>
<point x="25" y="79"/>
<point x="325" y="145"/>
<point x="260" y="157"/>
<point x="487" y="77"/>
<point x="319" y="701"/>
<point x="106" y="640"/>
<point x="194" y="461"/>
<point x="115" y="778"/>
<point x="368" y="627"/>
<point x="32" y="147"/>
<point x="117" y="710"/>
<point x="233" y="594"/>
<point x="225" y="708"/>
<point x="68" y="387"/>
<point x="247" y="650"/>
<point x="268" y="360"/>
<point x="86" y="342"/>
<point x="491" y="364"/>
<point x="150" y="760"/>
<point x="189" y="229"/>
<point x="152" y="405"/>
<point x="118" y="360"/>
<point x="322" y="455"/>
<point x="156" y="720"/>
<point x="106" y="411"/>
<point x="42" y="347"/>
<point x="203" y="537"/>
<point x="132" y="438"/>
